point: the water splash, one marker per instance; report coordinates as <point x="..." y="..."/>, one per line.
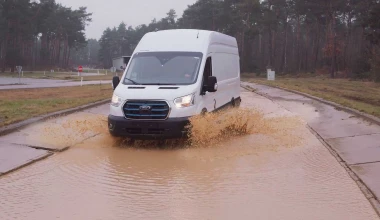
<point x="206" y="130"/>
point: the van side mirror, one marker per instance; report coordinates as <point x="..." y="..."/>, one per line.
<point x="115" y="82"/>
<point x="212" y="84"/>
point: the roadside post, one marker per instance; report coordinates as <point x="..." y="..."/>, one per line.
<point x="113" y="70"/>
<point x="271" y="75"/>
<point x="80" y="69"/>
<point x="19" y="69"/>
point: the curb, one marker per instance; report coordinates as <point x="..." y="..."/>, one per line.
<point x="14" y="127"/>
<point x="367" y="117"/>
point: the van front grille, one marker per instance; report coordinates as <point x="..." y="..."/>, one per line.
<point x="156" y="110"/>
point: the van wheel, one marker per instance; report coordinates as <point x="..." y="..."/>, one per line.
<point x="236" y="103"/>
<point x="204" y="112"/>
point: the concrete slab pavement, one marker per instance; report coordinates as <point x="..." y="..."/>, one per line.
<point x="13" y="156"/>
<point x="355" y="140"/>
<point x="57" y="134"/>
<point x="100" y="110"/>
<point x="358" y="149"/>
<point x="370" y="174"/>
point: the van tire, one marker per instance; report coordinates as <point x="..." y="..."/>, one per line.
<point x="236" y="103"/>
<point x="204" y="112"/>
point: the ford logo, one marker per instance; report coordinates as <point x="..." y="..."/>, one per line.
<point x="145" y="108"/>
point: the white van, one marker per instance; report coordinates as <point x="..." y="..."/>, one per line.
<point x="173" y="75"/>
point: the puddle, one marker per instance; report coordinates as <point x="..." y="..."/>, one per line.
<point x="239" y="164"/>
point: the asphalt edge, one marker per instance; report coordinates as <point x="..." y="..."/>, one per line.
<point x="365" y="116"/>
<point x="16" y="126"/>
<point x="370" y="196"/>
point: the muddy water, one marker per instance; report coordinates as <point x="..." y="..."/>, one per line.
<point x="272" y="168"/>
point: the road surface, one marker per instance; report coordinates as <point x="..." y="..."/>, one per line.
<point x="29" y="83"/>
<point x="280" y="171"/>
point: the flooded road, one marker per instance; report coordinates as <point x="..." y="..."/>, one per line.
<point x="277" y="171"/>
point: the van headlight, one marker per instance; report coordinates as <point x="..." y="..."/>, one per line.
<point x="185" y="101"/>
<point x="116" y="101"/>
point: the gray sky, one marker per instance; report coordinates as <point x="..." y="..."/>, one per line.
<point x="109" y="13"/>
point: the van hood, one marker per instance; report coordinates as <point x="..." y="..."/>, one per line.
<point x="149" y="92"/>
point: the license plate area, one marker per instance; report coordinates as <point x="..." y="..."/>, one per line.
<point x="145" y="125"/>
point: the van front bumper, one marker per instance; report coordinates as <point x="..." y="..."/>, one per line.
<point x="148" y="129"/>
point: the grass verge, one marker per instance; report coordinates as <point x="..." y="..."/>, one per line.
<point x="362" y="96"/>
<point x="21" y="104"/>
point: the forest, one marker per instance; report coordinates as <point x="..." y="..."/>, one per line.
<point x="40" y="34"/>
<point x="339" y="38"/>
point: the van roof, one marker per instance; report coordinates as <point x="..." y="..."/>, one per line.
<point x="183" y="40"/>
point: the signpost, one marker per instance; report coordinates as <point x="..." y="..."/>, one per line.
<point x="80" y="69"/>
<point x="19" y="69"/>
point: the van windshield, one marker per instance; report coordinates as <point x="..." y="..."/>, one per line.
<point x="164" y="68"/>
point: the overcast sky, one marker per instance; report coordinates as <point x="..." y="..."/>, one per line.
<point x="109" y="13"/>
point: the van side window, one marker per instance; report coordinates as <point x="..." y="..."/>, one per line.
<point x="206" y="73"/>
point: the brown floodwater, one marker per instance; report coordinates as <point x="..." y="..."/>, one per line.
<point x="260" y="162"/>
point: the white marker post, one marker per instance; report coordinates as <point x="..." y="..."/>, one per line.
<point x="271" y="75"/>
<point x="19" y="69"/>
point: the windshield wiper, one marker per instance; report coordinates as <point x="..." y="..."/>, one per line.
<point x="132" y="81"/>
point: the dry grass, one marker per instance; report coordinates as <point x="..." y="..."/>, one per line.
<point x="21" y="104"/>
<point x="359" y="95"/>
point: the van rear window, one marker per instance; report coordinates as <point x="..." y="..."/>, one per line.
<point x="164" y="68"/>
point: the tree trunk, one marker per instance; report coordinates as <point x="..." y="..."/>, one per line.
<point x="68" y="57"/>
<point x="307" y="46"/>
<point x="333" y="60"/>
<point x="284" y="63"/>
<point x="270" y="62"/>
<point x="298" y="44"/>
<point x="317" y="47"/>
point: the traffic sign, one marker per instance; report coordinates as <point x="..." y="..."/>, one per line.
<point x="80" y="68"/>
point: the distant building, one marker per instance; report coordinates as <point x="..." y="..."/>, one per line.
<point x="120" y="62"/>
